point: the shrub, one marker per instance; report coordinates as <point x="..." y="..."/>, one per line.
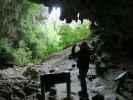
<point x="6" y="56"/>
<point x="22" y="54"/>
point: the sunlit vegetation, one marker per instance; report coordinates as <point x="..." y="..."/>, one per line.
<point x="30" y="34"/>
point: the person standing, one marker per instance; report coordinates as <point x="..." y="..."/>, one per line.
<point x="82" y="58"/>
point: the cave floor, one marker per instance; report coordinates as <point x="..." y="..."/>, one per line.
<point x="105" y="86"/>
<point x="60" y="63"/>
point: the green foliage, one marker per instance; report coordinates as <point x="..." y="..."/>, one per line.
<point x="29" y="34"/>
<point x="22" y="54"/>
<point x="6" y="56"/>
<point x="74" y="32"/>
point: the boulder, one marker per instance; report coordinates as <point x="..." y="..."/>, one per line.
<point x="31" y="73"/>
<point x="18" y="92"/>
<point x="31" y="88"/>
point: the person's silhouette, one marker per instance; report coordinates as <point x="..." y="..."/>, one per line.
<point x="82" y="57"/>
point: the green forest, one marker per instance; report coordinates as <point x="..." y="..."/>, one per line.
<point x="30" y="34"/>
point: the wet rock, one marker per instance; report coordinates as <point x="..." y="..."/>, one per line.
<point x="3" y="76"/>
<point x="67" y="98"/>
<point x="73" y="65"/>
<point x="21" y="84"/>
<point x="15" y="98"/>
<point x="52" y="91"/>
<point x="52" y="94"/>
<point x="31" y="73"/>
<point x="31" y="88"/>
<point x="52" y="98"/>
<point x="15" y="89"/>
<point x="18" y="92"/>
<point x="52" y="70"/>
<point x="11" y="89"/>
<point x="38" y="96"/>
<point x="5" y="92"/>
<point x="98" y="97"/>
<point x="2" y="98"/>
